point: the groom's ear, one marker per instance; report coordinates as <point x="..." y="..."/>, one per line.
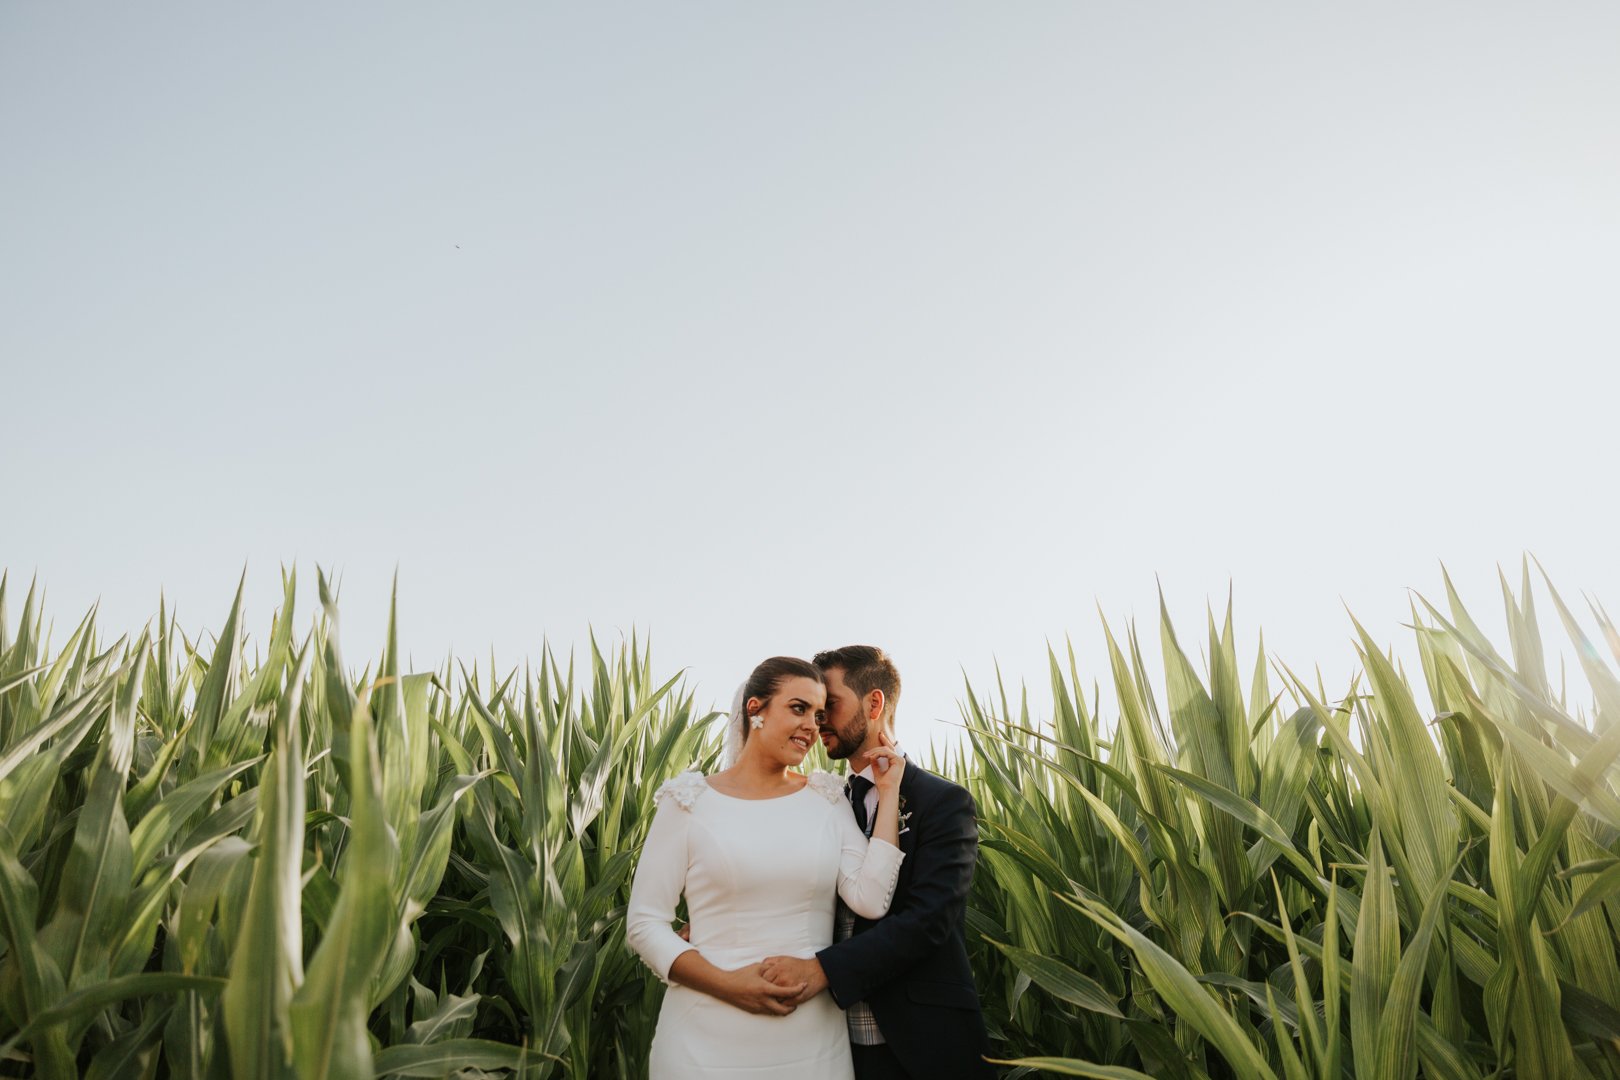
<point x="874" y="705"/>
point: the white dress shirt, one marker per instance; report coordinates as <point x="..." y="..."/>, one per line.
<point x="868" y="774"/>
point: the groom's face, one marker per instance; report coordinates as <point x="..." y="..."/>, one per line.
<point x="844" y="727"/>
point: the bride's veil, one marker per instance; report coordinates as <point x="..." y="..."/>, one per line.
<point x="731" y="746"/>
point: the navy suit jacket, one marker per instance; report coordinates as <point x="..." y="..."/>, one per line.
<point x="911" y="966"/>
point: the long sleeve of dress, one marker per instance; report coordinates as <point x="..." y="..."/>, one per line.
<point x="655" y="892"/>
<point x="867" y="870"/>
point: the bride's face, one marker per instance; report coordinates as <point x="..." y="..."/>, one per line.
<point x="791" y="718"/>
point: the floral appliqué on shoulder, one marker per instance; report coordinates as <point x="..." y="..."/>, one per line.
<point x="829" y="786"/>
<point x="684" y="789"/>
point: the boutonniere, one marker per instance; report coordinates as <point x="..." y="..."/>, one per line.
<point x="905" y="817"/>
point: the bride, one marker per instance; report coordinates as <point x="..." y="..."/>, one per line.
<point x="762" y="853"/>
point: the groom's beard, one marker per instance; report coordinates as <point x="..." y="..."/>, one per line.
<point x="846" y="743"/>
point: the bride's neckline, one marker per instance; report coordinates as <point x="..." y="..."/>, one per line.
<point x="743" y="798"/>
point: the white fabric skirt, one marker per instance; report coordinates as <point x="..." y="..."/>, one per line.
<point x="700" y="1037"/>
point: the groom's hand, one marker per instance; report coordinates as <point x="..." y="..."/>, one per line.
<point x="749" y="990"/>
<point x="792" y="971"/>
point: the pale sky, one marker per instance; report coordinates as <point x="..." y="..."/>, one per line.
<point x="772" y="327"/>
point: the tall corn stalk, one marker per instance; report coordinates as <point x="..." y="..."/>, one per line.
<point x="213" y="867"/>
<point x="1275" y="884"/>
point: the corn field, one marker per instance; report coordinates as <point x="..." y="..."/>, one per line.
<point x="228" y="859"/>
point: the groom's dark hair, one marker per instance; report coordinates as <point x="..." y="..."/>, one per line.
<point x="866" y="668"/>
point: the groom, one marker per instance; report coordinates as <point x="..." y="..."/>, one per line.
<point x="903" y="980"/>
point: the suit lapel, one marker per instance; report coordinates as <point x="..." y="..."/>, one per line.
<point x="908" y="799"/>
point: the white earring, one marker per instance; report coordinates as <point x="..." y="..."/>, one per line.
<point x="756" y="722"/>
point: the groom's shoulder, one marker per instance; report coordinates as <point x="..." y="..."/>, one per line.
<point x="931" y="785"/>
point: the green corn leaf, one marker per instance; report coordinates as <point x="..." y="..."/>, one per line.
<point x="1062" y="981"/>
<point x="1376" y="956"/>
<point x="1397" y="1031"/>
<point x="73" y="719"/>
<point x="169" y="815"/>
<point x="134" y="1052"/>
<point x="445" y="1058"/>
<point x="81" y="1005"/>
<point x="329" y="1010"/>
<point x="96" y="878"/>
<point x="1074" y="1067"/>
<point x="1182" y="993"/>
<point x="1243" y="810"/>
<point x="267" y="962"/>
<point x="1527" y="989"/>
<point x="1602" y="888"/>
<point x="40" y="984"/>
<point x="210" y="877"/>
<point x="426" y="864"/>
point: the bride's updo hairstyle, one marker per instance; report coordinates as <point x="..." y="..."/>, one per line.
<point x="765" y="680"/>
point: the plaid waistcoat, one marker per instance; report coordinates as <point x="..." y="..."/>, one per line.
<point x="863" y="1028"/>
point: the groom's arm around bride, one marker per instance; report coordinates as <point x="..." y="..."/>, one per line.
<point x="911" y="967"/>
<point x="904" y="979"/>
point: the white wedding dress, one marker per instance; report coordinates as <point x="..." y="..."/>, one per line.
<point x="761" y="878"/>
